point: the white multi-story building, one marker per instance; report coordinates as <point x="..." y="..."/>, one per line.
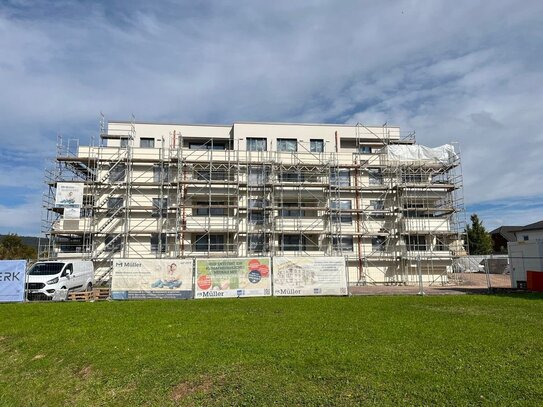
<point x="151" y="190"/>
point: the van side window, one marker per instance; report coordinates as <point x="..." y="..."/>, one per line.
<point x="68" y="268"/>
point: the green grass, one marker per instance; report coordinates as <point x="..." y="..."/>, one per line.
<point x="453" y="350"/>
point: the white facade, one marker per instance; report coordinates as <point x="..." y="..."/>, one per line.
<point x="261" y="189"/>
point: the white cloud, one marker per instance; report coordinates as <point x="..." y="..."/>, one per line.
<point x="469" y="72"/>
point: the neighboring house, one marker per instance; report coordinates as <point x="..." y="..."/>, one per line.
<point x="532" y="231"/>
<point x="503" y="235"/>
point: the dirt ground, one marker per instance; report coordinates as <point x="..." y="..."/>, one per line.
<point x="459" y="283"/>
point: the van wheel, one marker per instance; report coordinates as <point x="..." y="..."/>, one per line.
<point x="89" y="287"/>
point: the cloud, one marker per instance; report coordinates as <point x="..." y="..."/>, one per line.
<point x="468" y="73"/>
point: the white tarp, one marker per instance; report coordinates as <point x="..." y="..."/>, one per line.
<point x="151" y="278"/>
<point x="69" y="195"/>
<point x="443" y="155"/>
<point x="309" y="276"/>
<point x="222" y="278"/>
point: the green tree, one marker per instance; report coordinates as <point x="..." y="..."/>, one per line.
<point x="12" y="247"/>
<point x="479" y="239"/>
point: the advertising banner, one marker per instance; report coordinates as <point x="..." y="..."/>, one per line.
<point x="222" y="278"/>
<point x="151" y="278"/>
<point x="12" y="280"/>
<point x="309" y="276"/>
<point x="69" y="195"/>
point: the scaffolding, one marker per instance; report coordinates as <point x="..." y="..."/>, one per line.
<point x="190" y="197"/>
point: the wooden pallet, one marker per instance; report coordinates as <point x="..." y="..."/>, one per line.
<point x="101" y="293"/>
<point x="81" y="296"/>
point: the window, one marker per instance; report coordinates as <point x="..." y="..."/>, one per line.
<point x="414" y="178"/>
<point x="337" y="207"/>
<point x="113" y="243"/>
<point x="343" y="243"/>
<point x="204" y="174"/>
<point x="160" y="207"/>
<point x="415" y="243"/>
<point x="158" y="242"/>
<point x="340" y="178"/>
<point x="291" y="177"/>
<point x="257" y="217"/>
<point x="526" y="237"/>
<point x="257" y="175"/>
<point x="113" y="206"/>
<point x="147" y="142"/>
<point x="292" y="243"/>
<point x="255" y="242"/>
<point x="377" y="204"/>
<point x="256" y="144"/>
<point x="364" y="149"/>
<point x="287" y="144"/>
<point x="204" y="209"/>
<point x="160" y="173"/>
<point x="124" y="143"/>
<point x="375" y="176"/>
<point x="291" y="213"/>
<point x="209" y="243"/>
<point x="117" y="173"/>
<point x="207" y="146"/>
<point x="441" y="246"/>
<point x="378" y="244"/>
<point x="316" y="146"/>
<point x="258" y="203"/>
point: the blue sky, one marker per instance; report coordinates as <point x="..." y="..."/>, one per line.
<point x="464" y="71"/>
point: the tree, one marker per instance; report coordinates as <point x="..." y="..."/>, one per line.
<point x="12" y="247"/>
<point x="479" y="240"/>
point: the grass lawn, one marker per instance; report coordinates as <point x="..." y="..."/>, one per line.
<point x="455" y="350"/>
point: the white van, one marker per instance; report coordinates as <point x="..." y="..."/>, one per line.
<point x="45" y="277"/>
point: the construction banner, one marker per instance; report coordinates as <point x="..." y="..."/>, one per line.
<point x="221" y="278"/>
<point x="12" y="280"/>
<point x="69" y="195"/>
<point x="309" y="276"/>
<point x="151" y="278"/>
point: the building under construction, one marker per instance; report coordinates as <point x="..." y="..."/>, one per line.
<point x="392" y="208"/>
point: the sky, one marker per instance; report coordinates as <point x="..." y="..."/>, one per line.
<point x="465" y="71"/>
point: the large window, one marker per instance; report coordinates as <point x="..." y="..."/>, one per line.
<point x="415" y="243"/>
<point x="158" y="242"/>
<point x="316" y="146"/>
<point x="160" y="207"/>
<point x="204" y="209"/>
<point x="291" y="213"/>
<point x="256" y="241"/>
<point x="209" y="243"/>
<point x="147" y="142"/>
<point x="378" y="244"/>
<point x="258" y="203"/>
<point x="337" y="207"/>
<point x="204" y="174"/>
<point x="256" y="144"/>
<point x="113" y="243"/>
<point x="117" y="173"/>
<point x="343" y="243"/>
<point x="160" y="173"/>
<point x="364" y="149"/>
<point x="113" y="205"/>
<point x="290" y="176"/>
<point x="124" y="143"/>
<point x="257" y="175"/>
<point x="340" y="178"/>
<point x="206" y="146"/>
<point x="292" y="243"/>
<point x="375" y="176"/>
<point x="257" y="217"/>
<point x="287" y="144"/>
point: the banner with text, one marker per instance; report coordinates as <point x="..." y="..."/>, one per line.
<point x="309" y="276"/>
<point x="151" y="278"/>
<point x="12" y="280"/>
<point x="69" y="195"/>
<point x="221" y="278"/>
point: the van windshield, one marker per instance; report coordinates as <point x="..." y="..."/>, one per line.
<point x="45" y="269"/>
